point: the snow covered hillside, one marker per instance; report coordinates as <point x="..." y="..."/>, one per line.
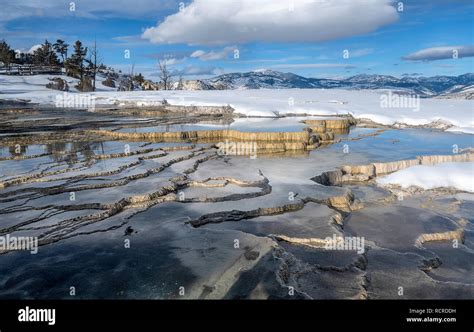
<point x="449" y="86"/>
<point x="13" y="85"/>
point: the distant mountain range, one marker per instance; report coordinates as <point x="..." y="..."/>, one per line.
<point x="443" y="86"/>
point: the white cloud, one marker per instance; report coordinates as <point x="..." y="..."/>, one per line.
<point x="192" y="70"/>
<point x="198" y="54"/>
<point x="84" y="8"/>
<point x="360" y="52"/>
<point x="439" y="53"/>
<point x="172" y="61"/>
<point x="240" y="21"/>
<point x="213" y="55"/>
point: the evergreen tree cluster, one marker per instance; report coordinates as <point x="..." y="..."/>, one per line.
<point x="77" y="61"/>
<point x="82" y="63"/>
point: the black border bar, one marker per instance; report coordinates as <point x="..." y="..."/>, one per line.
<point x="88" y="313"/>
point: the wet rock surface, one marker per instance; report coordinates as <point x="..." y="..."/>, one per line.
<point x="122" y="212"/>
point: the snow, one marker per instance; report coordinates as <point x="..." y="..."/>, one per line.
<point x="267" y="102"/>
<point x="34" y="87"/>
<point x="445" y="175"/>
<point x="467" y="130"/>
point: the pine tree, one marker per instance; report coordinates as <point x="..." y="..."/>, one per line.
<point x="61" y="47"/>
<point x="7" y="55"/>
<point x="75" y="64"/>
<point x="45" y="55"/>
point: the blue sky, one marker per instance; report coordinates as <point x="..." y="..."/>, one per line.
<point x="202" y="38"/>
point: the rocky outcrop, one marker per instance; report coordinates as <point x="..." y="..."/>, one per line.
<point x="57" y="83"/>
<point x="237" y="215"/>
<point x="310" y="242"/>
<point x="161" y="108"/>
<point x="445" y="236"/>
<point x="325" y="125"/>
<point x="256" y="142"/>
<point x="325" y="137"/>
<point x="432" y="160"/>
<point x="193" y="85"/>
<point x="430" y="264"/>
<point x="149" y="85"/>
<point x="329" y="178"/>
<point x="109" y="81"/>
<point x="390" y="167"/>
<point x="264" y="141"/>
<point x="224" y="181"/>
<point x="343" y="203"/>
<point x="302" y="136"/>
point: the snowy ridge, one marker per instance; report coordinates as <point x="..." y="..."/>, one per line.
<point x="269" y="79"/>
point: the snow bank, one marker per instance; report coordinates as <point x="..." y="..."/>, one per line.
<point x="369" y="104"/>
<point x="444" y="175"/>
<point x="34" y="87"/>
<point x="467" y="130"/>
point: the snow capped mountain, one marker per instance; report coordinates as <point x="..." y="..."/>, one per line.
<point x="270" y="79"/>
<point x="373" y="79"/>
<point x="264" y="79"/>
<point x="459" y="92"/>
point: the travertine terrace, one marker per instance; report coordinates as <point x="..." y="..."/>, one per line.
<point x="115" y="191"/>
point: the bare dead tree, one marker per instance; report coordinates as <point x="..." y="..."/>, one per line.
<point x="93" y="67"/>
<point x="165" y="75"/>
<point x="130" y="84"/>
